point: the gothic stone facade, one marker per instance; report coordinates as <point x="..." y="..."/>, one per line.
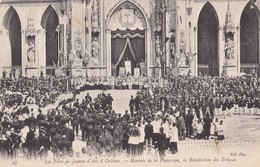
<point x="199" y="36"/>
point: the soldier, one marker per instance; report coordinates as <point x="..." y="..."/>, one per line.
<point x="44" y="144"/>
<point x="9" y="145"/>
<point x="126" y="116"/>
<point x="75" y="122"/>
<point x="69" y="133"/>
<point x="32" y="121"/>
<point x="5" y="124"/>
<point x="161" y="143"/>
<point x="148" y="130"/>
<point x="40" y="116"/>
<point x="57" y="144"/>
<point x="32" y="143"/>
<point x="109" y="148"/>
<point x="116" y="137"/>
<point x="16" y="124"/>
<point x="88" y="98"/>
<point x="89" y="127"/>
<point x="83" y="125"/>
<point x="53" y="126"/>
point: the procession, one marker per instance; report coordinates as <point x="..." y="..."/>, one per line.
<point x="129" y="81"/>
<point x="157" y="117"/>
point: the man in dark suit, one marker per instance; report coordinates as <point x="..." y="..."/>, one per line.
<point x="83" y="125"/>
<point x="75" y="122"/>
<point x="161" y="143"/>
<point x="32" y="121"/>
<point x="207" y="124"/>
<point x="76" y="104"/>
<point x="52" y="127"/>
<point x="9" y="145"/>
<point x="88" y="98"/>
<point x="126" y="116"/>
<point x="131" y="105"/>
<point x="44" y="144"/>
<point x="188" y="122"/>
<point x="148" y="130"/>
<point x="70" y="137"/>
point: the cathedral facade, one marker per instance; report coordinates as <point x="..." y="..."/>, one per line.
<point x="136" y="37"/>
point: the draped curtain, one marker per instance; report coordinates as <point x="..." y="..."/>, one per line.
<point x="127" y="45"/>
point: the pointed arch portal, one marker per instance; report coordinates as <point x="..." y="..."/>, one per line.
<point x="13" y="25"/>
<point x="128" y="26"/>
<point x="50" y="22"/>
<point x="249" y="38"/>
<point x="208" y="41"/>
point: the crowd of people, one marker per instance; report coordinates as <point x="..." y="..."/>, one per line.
<point x="159" y="115"/>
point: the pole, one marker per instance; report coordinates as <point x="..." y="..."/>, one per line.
<point x="164" y="37"/>
<point x="58" y="30"/>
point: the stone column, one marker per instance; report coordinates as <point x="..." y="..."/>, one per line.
<point x="65" y="46"/>
<point x="101" y="19"/>
<point x="41" y="36"/>
<point x="37" y="54"/>
<point x="24" y="53"/>
<point x="221" y="53"/>
<point x="63" y="21"/>
<point x="195" y="61"/>
<point x="238" y="49"/>
<point x="148" y="51"/>
<point x="6" y="55"/>
<point x="258" y="45"/>
<point x="1" y="54"/>
<point x="108" y="39"/>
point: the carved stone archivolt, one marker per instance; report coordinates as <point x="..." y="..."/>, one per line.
<point x="95" y="16"/>
<point x="127" y="16"/>
<point x="229" y="24"/>
<point x="159" y="11"/>
<point x="229" y="37"/>
<point x="30" y="29"/>
<point x="94" y="59"/>
<point x="30" y="33"/>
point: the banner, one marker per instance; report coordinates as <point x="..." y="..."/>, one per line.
<point x="128" y="69"/>
<point x="143" y="68"/>
<point x="121" y="71"/>
<point x="137" y="72"/>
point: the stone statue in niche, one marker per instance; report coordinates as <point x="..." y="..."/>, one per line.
<point x="95" y="52"/>
<point x="95" y="47"/>
<point x="182" y="41"/>
<point x="158" y="51"/>
<point x="95" y="16"/>
<point x="229" y="49"/>
<point x="183" y="59"/>
<point x="31" y="52"/>
<point x="158" y="62"/>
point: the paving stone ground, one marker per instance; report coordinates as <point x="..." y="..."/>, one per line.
<point x="241" y="144"/>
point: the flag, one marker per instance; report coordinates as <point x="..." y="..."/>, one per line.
<point x="57" y="28"/>
<point x="54" y="64"/>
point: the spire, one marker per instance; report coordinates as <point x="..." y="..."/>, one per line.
<point x="229" y="25"/>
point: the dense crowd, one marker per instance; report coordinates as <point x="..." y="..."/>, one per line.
<point x="159" y="116"/>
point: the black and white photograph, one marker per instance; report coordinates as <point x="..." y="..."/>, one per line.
<point x="129" y="83"/>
